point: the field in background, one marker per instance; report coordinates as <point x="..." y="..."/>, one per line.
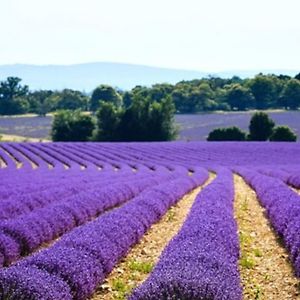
<point x="197" y="127"/>
<point x="25" y="126"/>
<point x="191" y="127"/>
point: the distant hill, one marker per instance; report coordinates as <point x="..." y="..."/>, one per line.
<point x="87" y="76"/>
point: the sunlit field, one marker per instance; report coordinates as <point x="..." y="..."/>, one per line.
<point x="190" y="127"/>
<point x="177" y="220"/>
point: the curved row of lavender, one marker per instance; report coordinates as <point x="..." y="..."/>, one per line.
<point x="25" y="233"/>
<point x="290" y="176"/>
<point x="74" y="266"/>
<point x="110" y="156"/>
<point x="201" y="262"/>
<point x="66" y="191"/>
<point x="294" y="177"/>
<point x="282" y="205"/>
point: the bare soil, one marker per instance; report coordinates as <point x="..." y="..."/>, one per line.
<point x="266" y="271"/>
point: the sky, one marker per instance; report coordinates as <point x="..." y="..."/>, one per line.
<point x="203" y="35"/>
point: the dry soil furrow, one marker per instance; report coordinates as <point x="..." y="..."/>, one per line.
<point x="266" y="271"/>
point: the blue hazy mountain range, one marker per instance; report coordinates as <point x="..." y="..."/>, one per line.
<point x="87" y="76"/>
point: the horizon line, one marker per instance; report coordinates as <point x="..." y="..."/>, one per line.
<point x="211" y="72"/>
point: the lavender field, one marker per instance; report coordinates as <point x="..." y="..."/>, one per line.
<point x="26" y="126"/>
<point x="88" y="221"/>
<point x="197" y="127"/>
<point x="191" y="127"/>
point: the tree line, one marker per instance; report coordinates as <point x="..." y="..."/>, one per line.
<point x="143" y="120"/>
<point x="261" y="128"/>
<point x="264" y="91"/>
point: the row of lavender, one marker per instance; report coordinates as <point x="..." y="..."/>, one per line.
<point x="104" y="155"/>
<point x="135" y="157"/>
<point x="23" y="234"/>
<point x="79" y="182"/>
<point x="74" y="266"/>
<point x="290" y="175"/>
<point x="282" y="206"/>
<point x="201" y="262"/>
<point x="31" y="218"/>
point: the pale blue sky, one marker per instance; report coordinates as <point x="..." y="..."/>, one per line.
<point x="211" y="35"/>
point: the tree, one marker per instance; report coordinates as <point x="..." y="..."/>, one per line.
<point x="160" y="91"/>
<point x="260" y="127"/>
<point x="13" y="96"/>
<point x="104" y="93"/>
<point x="194" y="96"/>
<point x="135" y="119"/>
<point x="283" y="134"/>
<point x="161" y="121"/>
<point x="143" y="120"/>
<point x="291" y="94"/>
<point x="239" y="97"/>
<point x="227" y="134"/>
<point x="297" y="76"/>
<point x="204" y="95"/>
<point x="284" y="77"/>
<point x="70" y="99"/>
<point x="108" y="121"/>
<point x="40" y="102"/>
<point x="72" y="126"/>
<point x="264" y="89"/>
<point x="127" y="99"/>
<point x="179" y="96"/>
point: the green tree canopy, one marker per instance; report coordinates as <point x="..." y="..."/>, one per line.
<point x="291" y="94"/>
<point x="70" y="99"/>
<point x="193" y="96"/>
<point x="160" y="91"/>
<point x="239" y="97"/>
<point x="13" y="96"/>
<point x="261" y="127"/>
<point x="227" y="134"/>
<point x="265" y="90"/>
<point x="108" y="122"/>
<point x="39" y="102"/>
<point x="283" y="134"/>
<point x="104" y="93"/>
<point x="72" y="126"/>
<point x="143" y="120"/>
<point x="127" y="99"/>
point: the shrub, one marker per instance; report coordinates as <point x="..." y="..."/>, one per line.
<point x="283" y="134"/>
<point x="227" y="134"/>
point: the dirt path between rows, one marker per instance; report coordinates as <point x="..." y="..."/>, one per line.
<point x="266" y="271"/>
